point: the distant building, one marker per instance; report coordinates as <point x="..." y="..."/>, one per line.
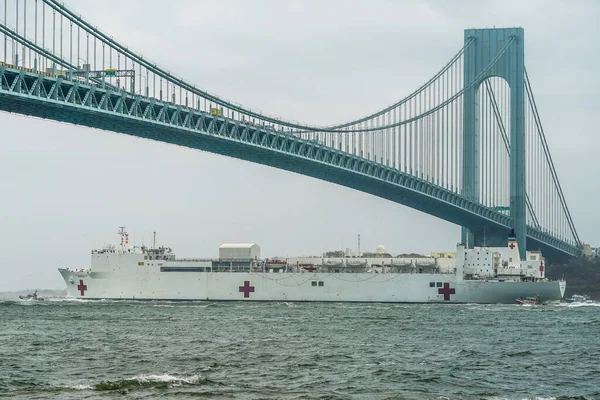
<point x="444" y="255"/>
<point x="587" y="250"/>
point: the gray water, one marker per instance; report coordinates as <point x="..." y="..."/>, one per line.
<point x="70" y="349"/>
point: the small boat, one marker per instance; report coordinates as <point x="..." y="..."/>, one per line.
<point x="33" y="296"/>
<point x="357" y="264"/>
<point x="579" y="298"/>
<point x="532" y="301"/>
<point x="308" y="267"/>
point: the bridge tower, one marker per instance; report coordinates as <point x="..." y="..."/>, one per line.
<point x="485" y="46"/>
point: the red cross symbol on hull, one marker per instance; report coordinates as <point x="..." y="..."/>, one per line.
<point x="541" y="267"/>
<point x="446" y="291"/>
<point x="246" y="289"/>
<point x="512" y="245"/>
<point x="81" y="287"/>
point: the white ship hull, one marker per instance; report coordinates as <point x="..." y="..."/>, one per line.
<point x="480" y="275"/>
<point x="265" y="286"/>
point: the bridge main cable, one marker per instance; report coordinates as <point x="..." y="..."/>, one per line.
<point x="410" y="96"/>
<point x="28" y="43"/>
<point x="204" y="94"/>
<point x="432" y="110"/>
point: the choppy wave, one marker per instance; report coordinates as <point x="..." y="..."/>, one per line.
<point x="182" y="305"/>
<point x="152" y="381"/>
<point x="76" y="349"/>
<point x="543" y="398"/>
<point x="76" y="300"/>
<point x="79" y="386"/>
<point x="524" y="353"/>
<point x="576" y="305"/>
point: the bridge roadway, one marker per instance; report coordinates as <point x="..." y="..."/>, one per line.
<point x="28" y="92"/>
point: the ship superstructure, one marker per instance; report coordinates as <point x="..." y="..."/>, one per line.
<point x="478" y="275"/>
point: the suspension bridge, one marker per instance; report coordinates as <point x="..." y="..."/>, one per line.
<point x="467" y="146"/>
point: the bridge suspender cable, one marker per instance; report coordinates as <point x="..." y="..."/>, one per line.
<point x="54" y="4"/>
<point x="412" y="95"/>
<point x="477" y="79"/>
<point x="164" y="74"/>
<point x="549" y="159"/>
<point x="506" y="142"/>
<point x="26" y="42"/>
<point x="192" y="89"/>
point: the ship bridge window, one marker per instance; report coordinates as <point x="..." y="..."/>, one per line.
<point x="431" y="284"/>
<point x="321" y="283"/>
<point x="140" y="263"/>
<point x="438" y="284"/>
<point x="314" y="283"/>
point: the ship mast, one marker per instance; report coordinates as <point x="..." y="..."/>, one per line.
<point x="124" y="236"/>
<point x="154" y="240"/>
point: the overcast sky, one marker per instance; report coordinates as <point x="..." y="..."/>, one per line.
<point x="66" y="189"/>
